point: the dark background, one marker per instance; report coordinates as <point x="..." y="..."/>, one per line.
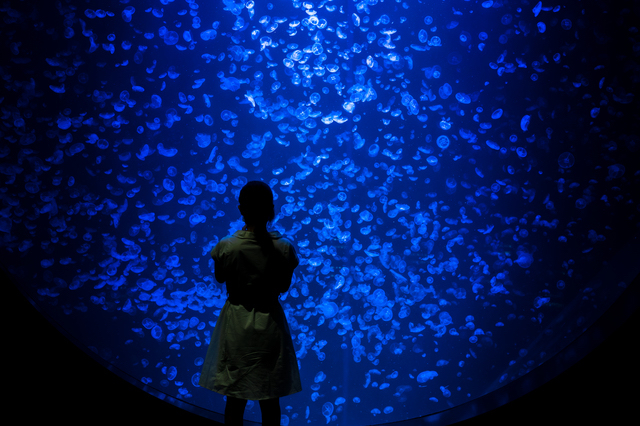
<point x="48" y="378"/>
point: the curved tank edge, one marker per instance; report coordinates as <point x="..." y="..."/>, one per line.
<point x="620" y="311"/>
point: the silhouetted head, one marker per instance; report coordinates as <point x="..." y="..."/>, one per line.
<point x="256" y="203"/>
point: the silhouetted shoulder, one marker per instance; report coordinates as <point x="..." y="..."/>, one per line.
<point x="222" y="245"/>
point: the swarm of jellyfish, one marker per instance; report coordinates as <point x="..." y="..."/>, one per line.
<point x="456" y="177"/>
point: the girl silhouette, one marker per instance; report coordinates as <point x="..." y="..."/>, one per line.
<point x="251" y="354"/>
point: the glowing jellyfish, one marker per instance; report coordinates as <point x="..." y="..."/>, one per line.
<point x="172" y="372"/>
<point x="156" y="101"/>
<point x="445" y="91"/>
<point x="525" y="258"/>
<point x="616" y="171"/>
<point x="566" y="160"/>
<point x="127" y="13"/>
<point x="57" y="89"/>
<point x="492" y="145"/>
<point x="506" y="19"/>
<point x="171" y="38"/>
<point x="539" y="301"/>
<point x="166" y="152"/>
<point x="156" y="332"/>
<point x="451" y="183"/>
<point x="168" y="184"/>
<point x="327" y="410"/>
<point x="463" y="98"/>
<point x="537" y="8"/>
<point x="328" y="309"/>
<point x="386" y="314"/>
<point x="442" y="142"/>
<point x="208" y="35"/>
<point x="227" y="115"/>
<point x="230" y="83"/>
<point x="64" y="123"/>
<point x="195" y="219"/>
<point x="425" y="376"/>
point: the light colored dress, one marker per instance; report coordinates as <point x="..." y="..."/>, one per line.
<point x="251" y="354"/>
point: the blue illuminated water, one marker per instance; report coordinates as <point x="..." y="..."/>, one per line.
<point x="455" y="177"/>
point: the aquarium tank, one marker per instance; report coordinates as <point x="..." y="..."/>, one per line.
<point x="459" y="178"/>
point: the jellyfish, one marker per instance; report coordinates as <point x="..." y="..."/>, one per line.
<point x="442" y="142"/>
<point x="445" y="91"/>
<point x="127" y="13"/>
<point x="616" y="171"/>
<point x="425" y="376"/>
<point x="525" y="258"/>
<point x="230" y="83"/>
<point x="566" y="160"/>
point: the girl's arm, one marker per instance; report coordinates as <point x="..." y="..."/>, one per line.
<point x="287" y="276"/>
<point x="219" y="271"/>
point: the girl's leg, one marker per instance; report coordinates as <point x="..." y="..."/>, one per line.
<point x="270" y="410"/>
<point x="234" y="411"/>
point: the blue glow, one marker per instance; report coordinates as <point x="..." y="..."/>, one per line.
<point x="451" y="182"/>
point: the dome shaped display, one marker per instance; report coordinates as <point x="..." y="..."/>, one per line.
<point x="459" y="180"/>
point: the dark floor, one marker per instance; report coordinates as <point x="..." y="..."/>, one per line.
<point x="600" y="389"/>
